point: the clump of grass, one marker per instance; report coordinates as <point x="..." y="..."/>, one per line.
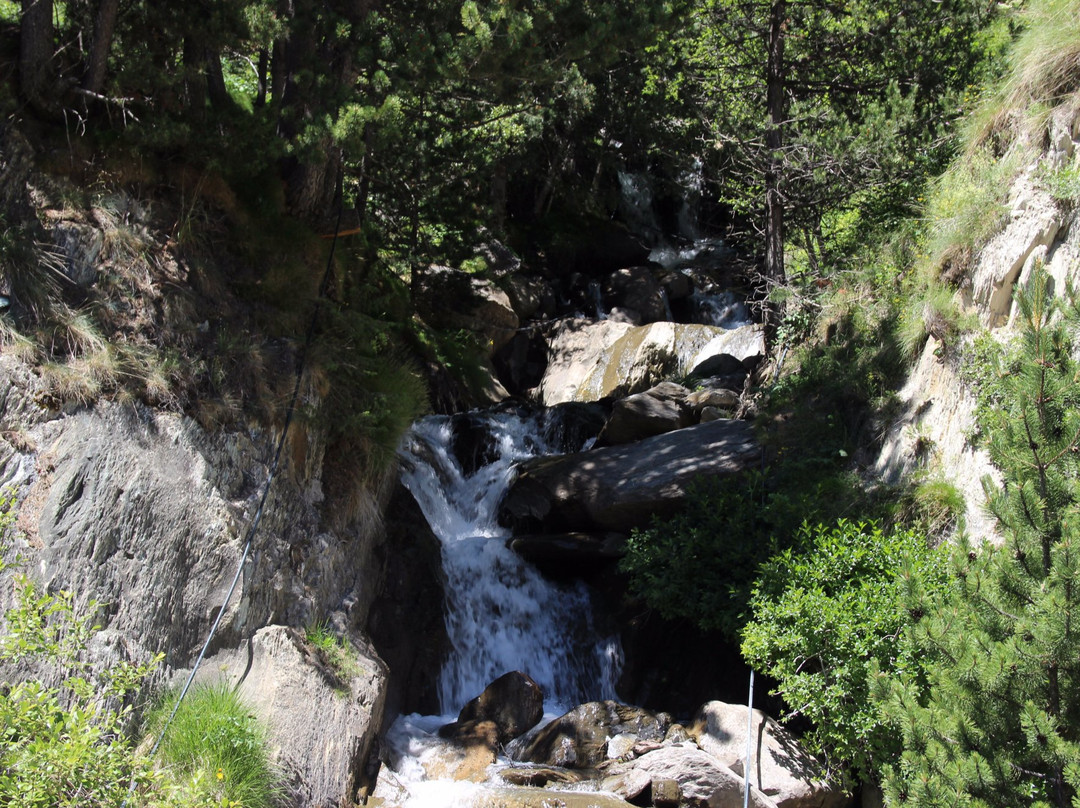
<point x="333" y="650"/>
<point x="215" y="750"/>
<point x="933" y="312"/>
<point x="933" y="505"/>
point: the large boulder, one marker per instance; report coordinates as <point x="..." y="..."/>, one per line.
<point x="617" y="488"/>
<point x="325" y="751"/>
<point x="591" y="361"/>
<point x="514" y="703"/>
<point x="779" y="765"/>
<point x="579" y="738"/>
<point x="702" y="780"/>
<point x="452" y="299"/>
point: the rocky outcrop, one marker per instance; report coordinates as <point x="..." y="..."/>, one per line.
<point x="937" y="415"/>
<point x="147" y="513"/>
<point x="453" y="299"/>
<point x="620" y="487"/>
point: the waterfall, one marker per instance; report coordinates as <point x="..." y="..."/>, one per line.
<point x="501" y="614"/>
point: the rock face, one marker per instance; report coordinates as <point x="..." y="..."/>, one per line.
<point x="327" y="750"/>
<point x="938" y="407"/>
<point x="619" y="487"/>
<point x="147" y="513"/>
<point x="779" y="766"/>
<point x="450" y="298"/>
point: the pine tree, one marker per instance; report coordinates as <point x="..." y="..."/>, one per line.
<point x="997" y="721"/>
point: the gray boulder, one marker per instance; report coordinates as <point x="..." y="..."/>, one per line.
<point x="635" y="288"/>
<point x="779" y="765"/>
<point x="617" y="488"/>
<point x="703" y="782"/>
<point x="659" y="409"/>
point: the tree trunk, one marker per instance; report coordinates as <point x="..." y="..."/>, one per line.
<point x="104" y="25"/>
<point x="774" y="142"/>
<point x="36" y="52"/>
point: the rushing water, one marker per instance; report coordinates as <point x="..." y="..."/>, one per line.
<point x="501" y="614"/>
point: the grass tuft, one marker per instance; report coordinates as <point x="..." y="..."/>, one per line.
<point x="215" y="750"/>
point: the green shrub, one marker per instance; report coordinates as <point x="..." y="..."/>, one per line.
<point x="215" y="751"/>
<point x="65" y="745"/>
<point x="825" y="612"/>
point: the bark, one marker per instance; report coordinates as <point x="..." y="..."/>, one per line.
<point x="104" y="26"/>
<point x="774" y="141"/>
<point x="36" y="53"/>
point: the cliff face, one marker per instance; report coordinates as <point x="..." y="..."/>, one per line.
<point x="938" y="406"/>
<point x="145" y="510"/>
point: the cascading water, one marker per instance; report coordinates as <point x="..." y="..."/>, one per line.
<point x="501" y="614"/>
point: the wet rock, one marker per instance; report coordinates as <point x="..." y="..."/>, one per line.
<point x="513" y="704"/>
<point x="579" y="738"/>
<point x="630" y="785"/>
<point x="779" y="765"/>
<point x="543" y="798"/>
<point x="540" y="776"/>
<point x="617" y="488"/>
<point x="570" y="554"/>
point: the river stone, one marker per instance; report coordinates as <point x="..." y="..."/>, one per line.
<point x="591" y="361"/>
<point x="560" y="554"/>
<point x="628" y="785"/>
<point x="703" y="781"/>
<point x="635" y="288"/>
<point x="543" y="798"/>
<point x="513" y="702"/>
<point x="779" y="764"/>
<point x="578" y="739"/>
<point x="617" y="488"/>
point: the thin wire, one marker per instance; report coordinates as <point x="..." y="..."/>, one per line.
<point x="300" y="365"/>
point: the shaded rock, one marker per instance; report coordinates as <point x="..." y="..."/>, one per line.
<point x="540" y="776"/>
<point x="718" y="398"/>
<point x="530" y="296"/>
<point x="323" y="751"/>
<point x="513" y="703"/>
<point x="779" y="765"/>
<point x="721" y="364"/>
<point x="635" y="288"/>
<point x="450" y="298"/>
<point x="80" y="246"/>
<point x="745" y="345"/>
<point x="676" y="283"/>
<point x="520" y="364"/>
<point x="660" y="409"/>
<point x="569" y="554"/>
<point x="702" y="780"/>
<point x="665" y="793"/>
<point x="617" y="488"/>
<point x="578" y="739"/>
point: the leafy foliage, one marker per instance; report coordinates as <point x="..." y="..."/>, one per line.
<point x="825" y="614"/>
